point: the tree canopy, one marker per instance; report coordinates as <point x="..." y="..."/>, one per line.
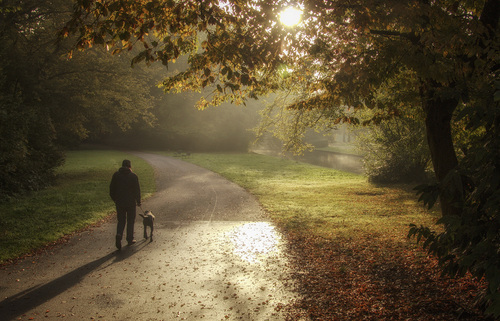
<point x="441" y="56"/>
<point x="435" y="54"/>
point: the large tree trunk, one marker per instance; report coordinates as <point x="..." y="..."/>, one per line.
<point x="439" y="113"/>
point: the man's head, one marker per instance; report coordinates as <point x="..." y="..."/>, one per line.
<point x="126" y="163"/>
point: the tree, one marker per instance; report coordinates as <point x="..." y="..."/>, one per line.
<point x="93" y="94"/>
<point x="181" y="127"/>
<point x="48" y="102"/>
<point x="28" y="153"/>
<point x="443" y="54"/>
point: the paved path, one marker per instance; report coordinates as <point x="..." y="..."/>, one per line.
<point x="214" y="257"/>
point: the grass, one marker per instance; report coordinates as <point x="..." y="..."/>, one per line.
<point x="347" y="149"/>
<point x="326" y="202"/>
<point x="79" y="198"/>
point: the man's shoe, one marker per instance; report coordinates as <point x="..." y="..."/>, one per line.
<point x="131" y="242"/>
<point x="118" y="243"/>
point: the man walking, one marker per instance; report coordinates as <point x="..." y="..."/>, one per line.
<point x="126" y="193"/>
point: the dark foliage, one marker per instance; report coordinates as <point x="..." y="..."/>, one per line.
<point x="396" y="152"/>
<point x="28" y="154"/>
<point x="471" y="240"/>
<point x="368" y="278"/>
<point x="49" y="102"/>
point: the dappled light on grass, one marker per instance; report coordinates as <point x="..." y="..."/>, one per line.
<point x="254" y="241"/>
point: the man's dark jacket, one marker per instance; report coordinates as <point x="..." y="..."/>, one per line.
<point x="124" y="188"/>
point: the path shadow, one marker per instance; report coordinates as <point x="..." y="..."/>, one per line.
<point x="31" y="298"/>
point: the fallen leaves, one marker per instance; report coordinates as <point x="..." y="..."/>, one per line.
<point x="374" y="279"/>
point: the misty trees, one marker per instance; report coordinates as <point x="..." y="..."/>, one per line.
<point x="48" y="101"/>
<point x="441" y="56"/>
<point x="181" y="127"/>
<point x="93" y="94"/>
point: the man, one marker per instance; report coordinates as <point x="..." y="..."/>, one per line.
<point x="126" y="193"/>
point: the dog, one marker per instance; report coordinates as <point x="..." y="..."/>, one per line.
<point x="147" y="220"/>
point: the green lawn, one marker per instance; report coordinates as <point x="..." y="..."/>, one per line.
<point x="298" y="197"/>
<point x="327" y="202"/>
<point x="79" y="198"/>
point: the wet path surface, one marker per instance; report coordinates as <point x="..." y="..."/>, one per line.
<point x="215" y="256"/>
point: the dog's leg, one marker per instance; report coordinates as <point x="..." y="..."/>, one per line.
<point x="145" y="232"/>
<point x="151" y="240"/>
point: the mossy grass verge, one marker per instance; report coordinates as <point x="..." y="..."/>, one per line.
<point x="79" y="198"/>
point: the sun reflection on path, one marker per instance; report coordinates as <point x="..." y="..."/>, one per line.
<point x="255" y="241"/>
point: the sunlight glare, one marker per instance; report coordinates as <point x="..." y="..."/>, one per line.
<point x="290" y="16"/>
<point x="253" y="241"/>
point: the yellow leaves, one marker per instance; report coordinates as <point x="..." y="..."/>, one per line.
<point x="202" y="104"/>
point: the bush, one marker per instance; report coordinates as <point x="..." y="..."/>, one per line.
<point x="395" y="151"/>
<point x="28" y="155"/>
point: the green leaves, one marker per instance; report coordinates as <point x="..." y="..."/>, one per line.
<point x="429" y="194"/>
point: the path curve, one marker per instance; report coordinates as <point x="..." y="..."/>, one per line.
<point x="215" y="257"/>
<point x="189" y="192"/>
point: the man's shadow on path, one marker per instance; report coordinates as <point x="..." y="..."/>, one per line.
<point x="24" y="301"/>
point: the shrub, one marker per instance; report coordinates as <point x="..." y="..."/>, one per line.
<point x="395" y="151"/>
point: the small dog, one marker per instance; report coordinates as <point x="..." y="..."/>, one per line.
<point x="147" y="220"/>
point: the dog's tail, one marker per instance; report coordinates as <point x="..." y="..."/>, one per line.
<point x="142" y="215"/>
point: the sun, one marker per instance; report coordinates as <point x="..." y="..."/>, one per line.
<point x="290" y="16"/>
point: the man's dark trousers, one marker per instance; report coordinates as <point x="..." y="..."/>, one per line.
<point x="125" y="215"/>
